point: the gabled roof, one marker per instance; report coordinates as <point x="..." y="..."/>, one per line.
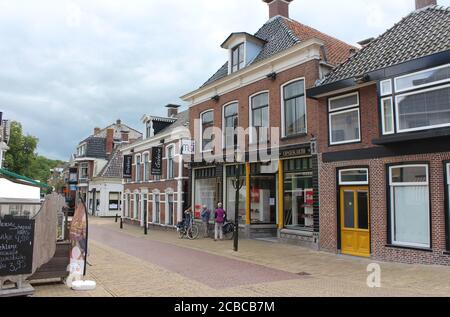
<point x="280" y="34"/>
<point x="114" y="167"/>
<point x="181" y="120"/>
<point x="423" y="32"/>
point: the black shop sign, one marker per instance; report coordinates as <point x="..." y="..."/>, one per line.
<point x="127" y="166"/>
<point x="16" y="246"/>
<point x="157" y="155"/>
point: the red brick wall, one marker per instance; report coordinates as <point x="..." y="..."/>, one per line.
<point x="309" y="70"/>
<point x="379" y="208"/>
<point x="370" y="129"/>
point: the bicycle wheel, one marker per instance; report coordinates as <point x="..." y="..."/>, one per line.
<point x="228" y="231"/>
<point x="193" y="232"/>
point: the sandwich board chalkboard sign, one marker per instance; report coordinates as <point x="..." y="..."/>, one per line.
<point x="16" y="246"/>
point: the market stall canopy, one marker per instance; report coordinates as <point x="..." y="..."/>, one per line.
<point x="14" y="187"/>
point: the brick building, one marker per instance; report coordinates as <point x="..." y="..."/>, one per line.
<point x="383" y="141"/>
<point x="99" y="181"/>
<point x="263" y="85"/>
<point x="157" y="185"/>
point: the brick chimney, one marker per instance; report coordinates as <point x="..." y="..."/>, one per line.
<point x="278" y="7"/>
<point x="109" y="141"/>
<point x="172" y="110"/>
<point x="424" y="3"/>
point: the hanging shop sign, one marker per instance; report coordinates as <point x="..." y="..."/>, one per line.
<point x="157" y="154"/>
<point x="127" y="166"/>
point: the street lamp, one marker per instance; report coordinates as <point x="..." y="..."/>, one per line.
<point x="238" y="183"/>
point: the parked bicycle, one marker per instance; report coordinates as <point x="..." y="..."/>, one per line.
<point x="190" y="231"/>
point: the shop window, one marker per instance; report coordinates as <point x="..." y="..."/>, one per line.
<point x="205" y="193"/>
<point x="410" y="206"/>
<point x="260" y="118"/>
<point x="170" y="210"/>
<point x="137" y="204"/>
<point x="114" y="201"/>
<point x="156" y="209"/>
<point x="207" y="123"/>
<point x="448" y="207"/>
<point x="230" y="123"/>
<point x="263" y="187"/>
<point x="294" y="108"/>
<point x="298" y="201"/>
<point x="231" y="172"/>
<point x="344" y="119"/>
<point x="354" y="177"/>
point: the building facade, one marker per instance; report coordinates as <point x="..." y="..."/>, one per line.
<point x="4" y="137"/>
<point x="263" y="85"/>
<point x="99" y="182"/>
<point x="384" y="153"/>
<point x="155" y="192"/>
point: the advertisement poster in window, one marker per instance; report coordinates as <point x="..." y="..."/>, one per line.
<point x="309" y="197"/>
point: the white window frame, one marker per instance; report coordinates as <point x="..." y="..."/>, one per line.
<point x="154" y="195"/>
<point x="448" y="174"/>
<point x="392" y="185"/>
<point x="397" y="115"/>
<point x="353" y="183"/>
<point x="244" y="48"/>
<point x="169" y="192"/>
<point x="201" y="130"/>
<point x="136" y="165"/>
<point x="224" y="145"/>
<point x="418" y="73"/>
<point x="383" y="123"/>
<point x="283" y="107"/>
<point x="250" y="114"/>
<point x="146" y="166"/>
<point x="168" y="149"/>
<point x="386" y="93"/>
<point x="346" y="109"/>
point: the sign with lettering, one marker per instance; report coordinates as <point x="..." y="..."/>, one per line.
<point x="16" y="246"/>
<point x="157" y="154"/>
<point x="295" y="152"/>
<point x="127" y="166"/>
<point x="187" y="147"/>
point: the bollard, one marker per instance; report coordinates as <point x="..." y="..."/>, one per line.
<point x="117" y="216"/>
<point x="121" y="223"/>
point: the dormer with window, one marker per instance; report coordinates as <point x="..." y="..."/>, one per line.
<point x="242" y="48"/>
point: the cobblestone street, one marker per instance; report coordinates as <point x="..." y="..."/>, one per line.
<point x="126" y="263"/>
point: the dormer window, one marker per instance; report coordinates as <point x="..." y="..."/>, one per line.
<point x="238" y="57"/>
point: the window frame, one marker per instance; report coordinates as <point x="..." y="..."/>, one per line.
<point x="418" y="73"/>
<point x="202" y="150"/>
<point x="345" y="109"/>
<point x="383" y="122"/>
<point x="383" y="94"/>
<point x="138" y="168"/>
<point x="146" y="163"/>
<point x="447" y="203"/>
<point x="283" y="108"/>
<point x="240" y="52"/>
<point x="118" y="201"/>
<point x="391" y="209"/>
<point x="224" y="141"/>
<point x="341" y="183"/>
<point x="416" y="92"/>
<point x="170" y="162"/>
<point x="250" y="115"/>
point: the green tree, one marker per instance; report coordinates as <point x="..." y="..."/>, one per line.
<point x="21" y="154"/>
<point x="21" y="158"/>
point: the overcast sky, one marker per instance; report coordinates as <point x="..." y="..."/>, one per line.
<point x="69" y="66"/>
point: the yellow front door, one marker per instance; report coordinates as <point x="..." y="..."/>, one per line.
<point x="355" y="221"/>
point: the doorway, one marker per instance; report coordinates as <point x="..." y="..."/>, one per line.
<point x="355" y="221"/>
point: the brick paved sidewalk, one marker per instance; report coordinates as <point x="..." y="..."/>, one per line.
<point x="120" y="274"/>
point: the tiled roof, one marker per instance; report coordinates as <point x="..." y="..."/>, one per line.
<point x="423" y="32"/>
<point x="114" y="167"/>
<point x="281" y="34"/>
<point x="96" y="147"/>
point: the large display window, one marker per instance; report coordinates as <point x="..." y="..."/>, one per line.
<point x="231" y="193"/>
<point x="205" y="190"/>
<point x="263" y="196"/>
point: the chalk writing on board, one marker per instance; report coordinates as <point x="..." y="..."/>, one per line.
<point x="16" y="246"/>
